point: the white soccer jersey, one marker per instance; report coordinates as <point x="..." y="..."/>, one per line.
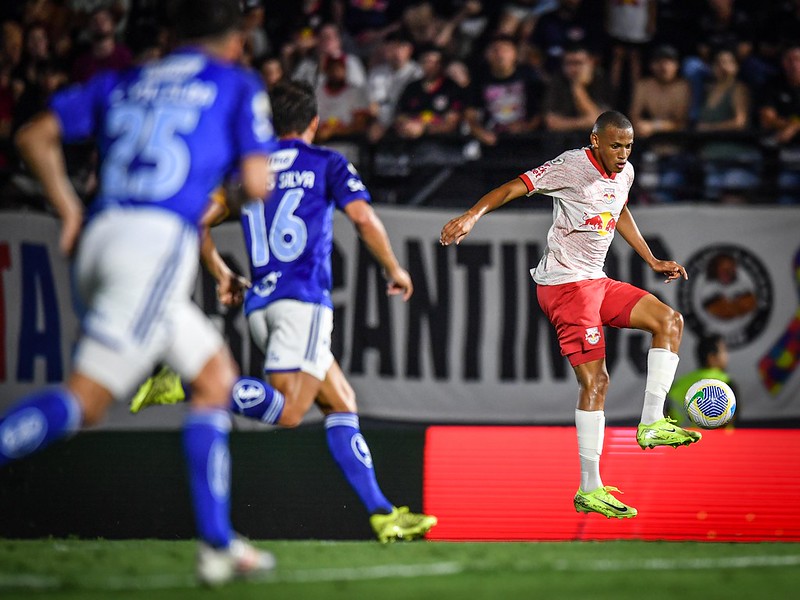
<point x="587" y="203"/>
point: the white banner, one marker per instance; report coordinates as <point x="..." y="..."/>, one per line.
<point x="471" y="346"/>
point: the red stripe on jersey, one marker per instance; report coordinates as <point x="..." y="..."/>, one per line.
<point x="598" y="166"/>
<point x="527" y="181"/>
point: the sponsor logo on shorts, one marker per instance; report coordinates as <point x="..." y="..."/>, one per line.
<point x="592" y="335"/>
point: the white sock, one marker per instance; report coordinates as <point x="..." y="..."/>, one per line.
<point x="661" y="367"/>
<point x="591" y="428"/>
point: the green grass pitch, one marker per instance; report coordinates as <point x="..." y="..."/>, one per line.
<point x="308" y="570"/>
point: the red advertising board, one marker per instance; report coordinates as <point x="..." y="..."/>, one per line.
<point x="517" y="483"/>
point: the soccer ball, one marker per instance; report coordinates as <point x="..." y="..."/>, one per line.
<point x="710" y="403"/>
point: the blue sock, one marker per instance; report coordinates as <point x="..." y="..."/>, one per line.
<point x="205" y="441"/>
<point x="256" y="399"/>
<point x="351" y="453"/>
<point x="36" y="421"/>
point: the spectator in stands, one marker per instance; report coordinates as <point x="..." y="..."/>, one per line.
<point x="271" y="70"/>
<point x="783" y="22"/>
<point x="660" y="104"/>
<point x="731" y="167"/>
<point x="630" y="25"/>
<point x="10" y="56"/>
<point x="6" y="121"/>
<point x="329" y="43"/>
<point x="505" y="99"/>
<point x="105" y="52"/>
<point x="578" y="96"/>
<point x="568" y="25"/>
<point x="720" y="25"/>
<point x="256" y="42"/>
<point x="36" y="48"/>
<point x="387" y="81"/>
<point x="343" y="108"/>
<point x="11" y="46"/>
<point x="780" y="116"/>
<point x="518" y="18"/>
<point x="427" y="28"/>
<point x="49" y="77"/>
<point x="368" y="23"/>
<point x="58" y="20"/>
<point x="458" y="71"/>
<point x="147" y="39"/>
<point x="432" y="105"/>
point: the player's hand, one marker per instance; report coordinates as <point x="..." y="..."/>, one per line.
<point x="70" y="231"/>
<point x="399" y="282"/>
<point x="71" y="225"/>
<point x="669" y="268"/>
<point x="457" y="229"/>
<point x="231" y="288"/>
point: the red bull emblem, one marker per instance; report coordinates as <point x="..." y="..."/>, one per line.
<point x="609" y="197"/>
<point x="593" y="335"/>
<point x="603" y="224"/>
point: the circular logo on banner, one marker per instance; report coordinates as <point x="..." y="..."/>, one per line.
<point x="729" y="293"/>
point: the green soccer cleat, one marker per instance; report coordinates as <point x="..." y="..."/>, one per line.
<point x="400" y="524"/>
<point x="602" y="502"/>
<point x="162" y="388"/>
<point x="665" y="432"/>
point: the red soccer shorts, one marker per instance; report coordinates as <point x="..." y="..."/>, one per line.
<point x="579" y="310"/>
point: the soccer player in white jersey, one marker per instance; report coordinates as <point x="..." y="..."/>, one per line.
<point x="289" y="238"/>
<point x="167" y="133"/>
<point x="590" y="189"/>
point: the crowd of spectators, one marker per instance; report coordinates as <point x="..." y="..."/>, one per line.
<point x="712" y="86"/>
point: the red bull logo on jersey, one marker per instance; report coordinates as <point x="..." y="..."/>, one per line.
<point x="603" y="223"/>
<point x="609" y="197"/>
<point x="592" y="335"/>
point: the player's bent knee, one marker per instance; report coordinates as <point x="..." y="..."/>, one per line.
<point x="598" y="383"/>
<point x="291" y="417"/>
<point x="673" y="324"/>
<point x="212" y="386"/>
<point x="94" y="398"/>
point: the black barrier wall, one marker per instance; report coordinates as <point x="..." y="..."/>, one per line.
<point x="120" y="485"/>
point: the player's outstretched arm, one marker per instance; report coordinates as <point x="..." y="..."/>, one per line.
<point x="371" y="230"/>
<point x="457" y="229"/>
<point x="39" y="144"/>
<point x="629" y="231"/>
<point x="230" y="286"/>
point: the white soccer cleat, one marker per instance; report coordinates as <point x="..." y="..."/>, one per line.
<point x="240" y="560"/>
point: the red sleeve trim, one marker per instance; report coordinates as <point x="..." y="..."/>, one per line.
<point x="527" y="181"/>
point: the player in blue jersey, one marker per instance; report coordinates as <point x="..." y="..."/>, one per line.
<point x="167" y="133"/>
<point x="289" y="310"/>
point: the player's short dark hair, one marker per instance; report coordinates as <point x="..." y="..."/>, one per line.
<point x="294" y="106"/>
<point x="707" y="346"/>
<point x="199" y="19"/>
<point x="612" y="118"/>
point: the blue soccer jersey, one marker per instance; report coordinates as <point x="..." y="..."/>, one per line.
<point x="289" y="237"/>
<point x="169" y="131"/>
